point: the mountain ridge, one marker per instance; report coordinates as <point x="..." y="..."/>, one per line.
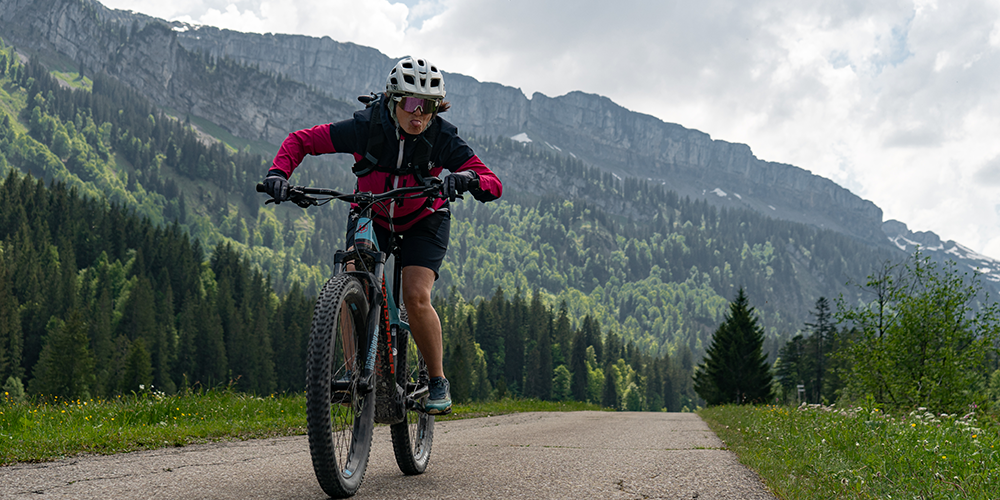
<point x="317" y="83"/>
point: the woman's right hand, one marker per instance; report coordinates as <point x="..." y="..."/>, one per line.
<point x="276" y="185"/>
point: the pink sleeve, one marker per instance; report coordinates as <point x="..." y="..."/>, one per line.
<point x="311" y="141"/>
<point x="489" y="183"/>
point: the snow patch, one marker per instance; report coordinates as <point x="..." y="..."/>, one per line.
<point x="895" y="241"/>
<point x="180" y="29"/>
<point x="772" y="207"/>
<point x="737" y="195"/>
<point x="720" y="193"/>
<point x="522" y="137"/>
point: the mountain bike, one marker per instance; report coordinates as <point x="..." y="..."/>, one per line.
<point x="362" y="366"/>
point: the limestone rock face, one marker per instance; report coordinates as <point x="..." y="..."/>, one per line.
<point x="261" y="87"/>
<point x="145" y="54"/>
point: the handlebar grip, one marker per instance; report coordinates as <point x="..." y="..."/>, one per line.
<point x="260" y="187"/>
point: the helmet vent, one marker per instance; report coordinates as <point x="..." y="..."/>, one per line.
<point x="414" y="77"/>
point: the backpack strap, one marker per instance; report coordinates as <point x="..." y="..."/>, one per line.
<point x="373" y="150"/>
<point x="421" y="165"/>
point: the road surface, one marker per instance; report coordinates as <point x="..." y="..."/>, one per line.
<point x="528" y="455"/>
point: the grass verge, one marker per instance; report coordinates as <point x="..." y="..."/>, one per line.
<point x="35" y="432"/>
<point x="824" y="452"/>
<point x="57" y="428"/>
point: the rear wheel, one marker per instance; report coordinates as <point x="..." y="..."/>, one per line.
<point x="412" y="438"/>
<point x="340" y="409"/>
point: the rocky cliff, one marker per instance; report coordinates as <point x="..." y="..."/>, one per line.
<point x="263" y="86"/>
<point x="932" y="246"/>
<point x="145" y="54"/>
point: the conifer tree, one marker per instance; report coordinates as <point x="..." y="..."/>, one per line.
<point x="489" y="335"/>
<point x="609" y="395"/>
<point x="822" y="333"/>
<point x="538" y="368"/>
<point x="792" y="366"/>
<point x="65" y="367"/>
<point x="460" y="358"/>
<point x="514" y="339"/>
<point x="580" y="383"/>
<point x="562" y="335"/>
<point x="10" y="328"/>
<point x="138" y="373"/>
<point x="735" y="369"/>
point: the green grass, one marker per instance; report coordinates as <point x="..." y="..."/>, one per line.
<point x="74" y="80"/>
<point x="232" y="142"/>
<point x="12" y="100"/>
<point x="56" y="428"/>
<point x="825" y="452"/>
<point x="48" y="430"/>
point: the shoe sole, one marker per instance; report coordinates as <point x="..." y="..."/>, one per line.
<point x="437" y="411"/>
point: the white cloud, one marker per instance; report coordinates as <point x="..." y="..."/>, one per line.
<point x="894" y="99"/>
<point x="375" y="23"/>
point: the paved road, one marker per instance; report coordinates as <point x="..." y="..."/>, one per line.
<point x="530" y="455"/>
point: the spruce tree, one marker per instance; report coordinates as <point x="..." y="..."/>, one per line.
<point x="823" y="332"/>
<point x="609" y="395"/>
<point x="10" y="328"/>
<point x="65" y="367"/>
<point x="580" y="383"/>
<point x="790" y="369"/>
<point x="562" y="335"/>
<point x="735" y="368"/>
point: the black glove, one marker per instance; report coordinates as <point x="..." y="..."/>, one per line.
<point x="276" y="185"/>
<point x="459" y="182"/>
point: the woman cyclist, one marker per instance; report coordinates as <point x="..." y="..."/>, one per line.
<point x="397" y="141"/>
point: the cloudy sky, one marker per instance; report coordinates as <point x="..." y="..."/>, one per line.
<point x="898" y="101"/>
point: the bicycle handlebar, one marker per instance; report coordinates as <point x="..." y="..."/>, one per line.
<point x="300" y="195"/>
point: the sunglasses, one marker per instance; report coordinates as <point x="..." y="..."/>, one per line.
<point x="426" y="106"/>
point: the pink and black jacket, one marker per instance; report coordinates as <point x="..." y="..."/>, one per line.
<point x="351" y="136"/>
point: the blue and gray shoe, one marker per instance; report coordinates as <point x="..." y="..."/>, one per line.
<point x="439" y="399"/>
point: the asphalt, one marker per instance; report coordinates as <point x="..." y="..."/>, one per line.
<point x="575" y="455"/>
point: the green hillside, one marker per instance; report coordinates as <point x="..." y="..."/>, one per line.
<point x="655" y="282"/>
<point x="659" y="280"/>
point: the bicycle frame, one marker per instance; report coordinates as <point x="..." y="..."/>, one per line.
<point x="382" y="387"/>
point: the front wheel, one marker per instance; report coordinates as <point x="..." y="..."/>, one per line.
<point x="412" y="438"/>
<point x="340" y="405"/>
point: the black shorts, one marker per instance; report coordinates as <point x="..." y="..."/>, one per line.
<point x="424" y="244"/>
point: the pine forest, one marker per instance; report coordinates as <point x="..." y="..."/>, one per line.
<point x="134" y="251"/>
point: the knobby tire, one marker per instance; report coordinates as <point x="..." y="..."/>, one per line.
<point x="412" y="438"/>
<point x="340" y="425"/>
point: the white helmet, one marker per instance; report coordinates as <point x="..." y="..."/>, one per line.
<point x="415" y="77"/>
